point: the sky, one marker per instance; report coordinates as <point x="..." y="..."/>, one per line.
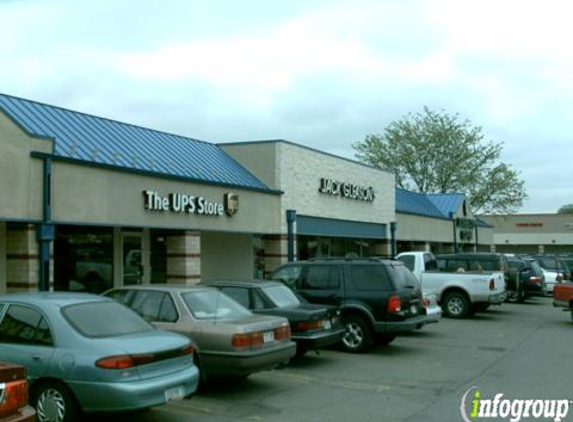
<point x="320" y="73"/>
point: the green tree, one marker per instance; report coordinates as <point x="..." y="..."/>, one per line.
<point x="566" y="209"/>
<point x="435" y="152"/>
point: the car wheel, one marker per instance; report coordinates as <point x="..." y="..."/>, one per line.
<point x="384" y="339"/>
<point x="54" y="402"/>
<point x="455" y="305"/>
<point x="358" y="336"/>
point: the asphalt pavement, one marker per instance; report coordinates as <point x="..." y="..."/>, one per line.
<point x="523" y="351"/>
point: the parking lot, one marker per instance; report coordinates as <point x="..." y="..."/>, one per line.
<point x="520" y="350"/>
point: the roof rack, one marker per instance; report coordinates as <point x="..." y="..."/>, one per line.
<point x="341" y="258"/>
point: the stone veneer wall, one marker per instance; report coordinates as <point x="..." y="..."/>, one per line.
<point x="184" y="258"/>
<point x="22" y="258"/>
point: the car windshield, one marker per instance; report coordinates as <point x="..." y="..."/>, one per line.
<point x="213" y="304"/>
<point x="281" y="296"/>
<point x="86" y="318"/>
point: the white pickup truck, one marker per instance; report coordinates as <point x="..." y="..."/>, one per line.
<point x="459" y="293"/>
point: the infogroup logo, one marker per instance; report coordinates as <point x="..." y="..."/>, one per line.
<point x="474" y="407"/>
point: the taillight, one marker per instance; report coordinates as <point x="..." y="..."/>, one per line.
<point x="535" y="279"/>
<point x="14" y="397"/>
<point x="492" y="285"/>
<point x="245" y="341"/>
<point x="394" y="304"/>
<point x="425" y="303"/>
<point x="116" y="362"/>
<point x="282" y="333"/>
<point x="309" y="326"/>
<point x="187" y="350"/>
<point x="241" y="341"/>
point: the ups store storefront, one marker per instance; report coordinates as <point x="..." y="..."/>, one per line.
<point x="89" y="203"/>
<point x="330" y="206"/>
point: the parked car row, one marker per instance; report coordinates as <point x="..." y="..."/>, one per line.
<point x="141" y="346"/>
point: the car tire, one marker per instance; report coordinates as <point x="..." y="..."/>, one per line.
<point x="54" y="402"/>
<point x="384" y="339"/>
<point x="515" y="296"/>
<point x="455" y="305"/>
<point x="358" y="335"/>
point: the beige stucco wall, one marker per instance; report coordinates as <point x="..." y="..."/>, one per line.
<point x="83" y="194"/>
<point x="259" y="158"/>
<point x="300" y="170"/>
<point x="418" y="228"/>
<point x="532" y="229"/>
<point x="226" y="255"/>
<point x="297" y="172"/>
<point x="21" y="174"/>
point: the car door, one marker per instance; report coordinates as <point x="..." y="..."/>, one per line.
<point x="26" y="338"/>
<point x="322" y="283"/>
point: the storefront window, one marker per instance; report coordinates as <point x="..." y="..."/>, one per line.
<point x="324" y="247"/>
<point x="158" y="257"/>
<point x="83" y="259"/>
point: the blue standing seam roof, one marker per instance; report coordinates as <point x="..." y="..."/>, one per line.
<point x="98" y="140"/>
<point x="415" y="203"/>
<point x="447" y="203"/>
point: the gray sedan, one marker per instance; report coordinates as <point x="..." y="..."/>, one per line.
<point x="88" y="353"/>
<point x="230" y="340"/>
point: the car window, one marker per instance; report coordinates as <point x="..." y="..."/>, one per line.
<point x="123" y="296"/>
<point x="213" y="304"/>
<point x="322" y="277"/>
<point x="281" y="296"/>
<point x="24" y="325"/>
<point x="430" y="263"/>
<point x="288" y="275"/>
<point x="168" y="311"/>
<point x="408" y="260"/>
<point x="86" y="318"/>
<point x="402" y="276"/>
<point x="370" y="277"/>
<point x="259" y="301"/>
<point x="240" y="294"/>
<point x="147" y="303"/>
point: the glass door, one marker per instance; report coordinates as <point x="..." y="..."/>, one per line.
<point x="132" y="258"/>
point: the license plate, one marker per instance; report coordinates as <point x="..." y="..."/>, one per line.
<point x="327" y="324"/>
<point x="175" y="393"/>
<point x="268" y="336"/>
<point x="413" y="309"/>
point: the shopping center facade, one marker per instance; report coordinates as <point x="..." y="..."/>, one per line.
<point x="90" y="203"/>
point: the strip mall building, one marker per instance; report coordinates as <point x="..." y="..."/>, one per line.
<point x="89" y="203"/>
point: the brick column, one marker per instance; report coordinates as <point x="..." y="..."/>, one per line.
<point x="22" y="258"/>
<point x="276" y="251"/>
<point x="184" y="257"/>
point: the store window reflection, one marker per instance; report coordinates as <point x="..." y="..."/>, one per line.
<point x="325" y="247"/>
<point x="83" y="259"/>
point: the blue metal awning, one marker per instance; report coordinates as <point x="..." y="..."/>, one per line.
<point x="316" y="226"/>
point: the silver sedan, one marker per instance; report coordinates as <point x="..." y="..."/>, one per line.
<point x="230" y="340"/>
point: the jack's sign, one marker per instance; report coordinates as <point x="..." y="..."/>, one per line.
<point x="346" y="190"/>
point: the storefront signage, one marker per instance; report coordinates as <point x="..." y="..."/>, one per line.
<point x="529" y="224"/>
<point x="346" y="190"/>
<point x="190" y="204"/>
